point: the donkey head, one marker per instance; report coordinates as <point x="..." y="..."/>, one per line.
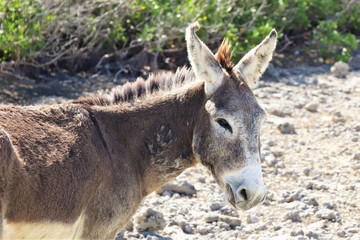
<point x="226" y="136"/>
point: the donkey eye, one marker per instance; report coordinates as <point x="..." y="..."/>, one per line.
<point x="223" y="123"/>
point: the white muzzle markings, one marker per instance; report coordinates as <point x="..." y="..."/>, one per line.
<point x="244" y="188"/>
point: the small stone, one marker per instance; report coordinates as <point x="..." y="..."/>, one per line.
<point x="270" y="196"/>
<point x="310" y="201"/>
<point x="150" y="220"/>
<point x="312" y="107"/>
<point x="297" y="232"/>
<point x="151" y="237"/>
<point x="355" y="166"/>
<point x="232" y="221"/>
<point x="204" y="230"/>
<point x="278" y="153"/>
<point x="182" y="188"/>
<point x="353" y="230"/>
<point x="312" y="235"/>
<point x="302" y="238"/>
<point x="357" y="128"/>
<point x="341" y="233"/>
<point x="340" y="69"/>
<point x="283" y="112"/>
<point x="356" y="156"/>
<point x="294" y="196"/>
<point x="129" y="226"/>
<point x="252" y="218"/>
<point x="307" y="171"/>
<point x="262" y="227"/>
<point x="166" y="194"/>
<point x="187" y="228"/>
<point x="202" y="179"/>
<point x="286" y="128"/>
<point x="315" y="185"/>
<point x="277" y="228"/>
<point x="224" y="226"/>
<point x="273" y="143"/>
<point x="131" y="235"/>
<point x="337" y="117"/>
<point x="216" y="206"/>
<point x="270" y="160"/>
<point x="330" y="205"/>
<point x="212" y="218"/>
<point x="293" y="216"/>
<point x="229" y="212"/>
<point x="326" y="214"/>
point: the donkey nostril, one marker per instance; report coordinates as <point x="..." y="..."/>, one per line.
<point x="242" y="193"/>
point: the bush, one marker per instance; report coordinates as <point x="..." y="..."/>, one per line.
<point x="57" y="30"/>
<point x="23" y="25"/>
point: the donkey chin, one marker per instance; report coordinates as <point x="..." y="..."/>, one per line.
<point x="244" y="188"/>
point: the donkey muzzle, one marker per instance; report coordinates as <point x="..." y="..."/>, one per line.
<point x="245" y="189"/>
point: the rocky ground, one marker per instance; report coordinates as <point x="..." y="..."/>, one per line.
<point x="311" y="166"/>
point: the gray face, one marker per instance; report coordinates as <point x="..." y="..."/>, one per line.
<point x="227" y="142"/>
<point x="226" y="137"/>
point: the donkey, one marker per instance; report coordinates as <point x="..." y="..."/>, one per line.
<point x="80" y="170"/>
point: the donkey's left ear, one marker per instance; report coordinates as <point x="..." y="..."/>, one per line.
<point x="255" y="62"/>
<point x="203" y="61"/>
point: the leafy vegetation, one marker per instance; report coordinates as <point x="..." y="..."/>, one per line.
<point x="47" y="32"/>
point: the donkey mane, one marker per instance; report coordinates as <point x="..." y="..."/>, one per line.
<point x="156" y="82"/>
<point x="224" y="55"/>
<point x="141" y="87"/>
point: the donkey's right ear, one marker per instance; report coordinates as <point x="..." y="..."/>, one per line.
<point x="255" y="62"/>
<point x="203" y="61"/>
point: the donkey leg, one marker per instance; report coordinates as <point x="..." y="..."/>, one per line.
<point x="1" y="222"/>
<point x="7" y="157"/>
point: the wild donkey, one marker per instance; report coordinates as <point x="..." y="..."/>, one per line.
<point x="80" y="170"/>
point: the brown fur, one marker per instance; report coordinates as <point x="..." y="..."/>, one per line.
<point x="61" y="161"/>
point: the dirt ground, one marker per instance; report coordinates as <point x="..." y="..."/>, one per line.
<point x="311" y="166"/>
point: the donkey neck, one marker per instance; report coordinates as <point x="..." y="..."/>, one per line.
<point x="153" y="136"/>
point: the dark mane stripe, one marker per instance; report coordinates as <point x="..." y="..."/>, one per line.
<point x="132" y="90"/>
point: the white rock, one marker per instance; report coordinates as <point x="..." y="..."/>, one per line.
<point x="232" y="221"/>
<point x="252" y="218"/>
<point x="150" y="220"/>
<point x="340" y="69"/>
<point x="204" y="229"/>
<point x="182" y="188"/>
<point x="326" y="214"/>
<point x="312" y="106"/>
<point x="293" y="216"/>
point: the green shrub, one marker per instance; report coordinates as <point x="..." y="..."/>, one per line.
<point x="61" y="29"/>
<point x="331" y="43"/>
<point x="23" y="25"/>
